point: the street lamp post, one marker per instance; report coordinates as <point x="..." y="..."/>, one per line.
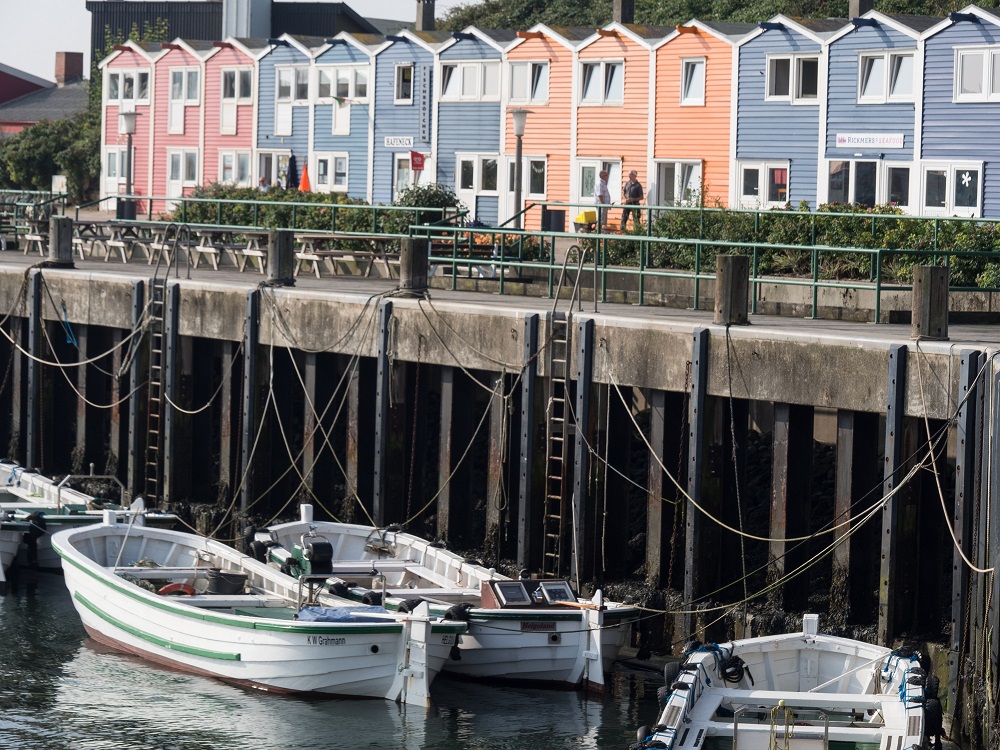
<point x="126" y="127"/>
<point x="519" y="116"/>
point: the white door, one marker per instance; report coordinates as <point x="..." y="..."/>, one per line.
<point x="113" y="171"/>
<point x="587" y="176"/>
<point x="402" y="175"/>
<point x="465" y="181"/>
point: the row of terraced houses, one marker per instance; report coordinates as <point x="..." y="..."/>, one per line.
<point x="874" y="109"/>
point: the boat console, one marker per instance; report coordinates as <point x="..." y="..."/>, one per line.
<point x="526" y="593"/>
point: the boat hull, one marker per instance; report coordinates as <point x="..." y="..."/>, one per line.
<point x="561" y="646"/>
<point x="10" y="543"/>
<point x="255" y="648"/>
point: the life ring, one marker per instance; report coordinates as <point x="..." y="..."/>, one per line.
<point x="177" y="589"/>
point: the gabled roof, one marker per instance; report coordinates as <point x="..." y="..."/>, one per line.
<point x="54" y="103"/>
<point x="912" y="26"/>
<point x="150" y="50"/>
<point x="389" y="25"/>
<point x="497" y="39"/>
<point x="366" y="43"/>
<point x="250" y="46"/>
<point x="730" y="33"/>
<point x="991" y="15"/>
<point x="570" y="37"/>
<point x="431" y="41"/>
<point x="817" y="29"/>
<point x="646" y="36"/>
<point x="196" y="48"/>
<point x="27" y="77"/>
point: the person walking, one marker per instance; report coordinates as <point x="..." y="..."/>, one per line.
<point x="631" y="196"/>
<point x="602" y="197"/>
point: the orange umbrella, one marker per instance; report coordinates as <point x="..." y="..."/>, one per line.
<point x="304" y="185"/>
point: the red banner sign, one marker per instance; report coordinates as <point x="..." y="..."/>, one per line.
<point x="416" y="161"/>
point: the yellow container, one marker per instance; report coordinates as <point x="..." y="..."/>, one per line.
<point x="586" y="217"/>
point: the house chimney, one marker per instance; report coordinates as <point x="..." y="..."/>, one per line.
<point x="623" y="11"/>
<point x="425" y="15"/>
<point x="69" y="67"/>
<point x="857" y="8"/>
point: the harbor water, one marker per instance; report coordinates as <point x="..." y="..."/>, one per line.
<point x="59" y="689"/>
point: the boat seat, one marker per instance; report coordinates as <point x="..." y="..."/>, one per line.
<point x="230" y="601"/>
<point x="806" y="700"/>
<point x="410" y="593"/>
<point x="364" y="567"/>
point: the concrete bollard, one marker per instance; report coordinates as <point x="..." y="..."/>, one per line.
<point x="732" y="285"/>
<point x="61" y="241"/>
<point x="413" y="266"/>
<point x="930" y="303"/>
<point x="281" y="258"/>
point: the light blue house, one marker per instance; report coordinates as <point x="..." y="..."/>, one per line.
<point x="781" y="83"/>
<point x="874" y="85"/>
<point x="343" y="115"/>
<point x="283" y="106"/>
<point x="469" y="116"/>
<point x="959" y="147"/>
<point x="403" y="128"/>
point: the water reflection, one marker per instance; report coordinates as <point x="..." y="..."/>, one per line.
<point x="60" y="689"/>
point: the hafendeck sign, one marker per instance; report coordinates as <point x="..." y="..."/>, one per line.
<point x="869" y="140"/>
<point x="399" y="141"/>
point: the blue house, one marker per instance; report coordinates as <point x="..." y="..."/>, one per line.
<point x="469" y="116"/>
<point x="874" y="83"/>
<point x="403" y="130"/>
<point x="959" y="148"/>
<point x="343" y="120"/>
<point x="781" y="83"/>
<point x="284" y="107"/>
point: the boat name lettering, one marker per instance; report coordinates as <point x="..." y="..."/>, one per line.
<point x="326" y="640"/>
<point x="538" y="627"/>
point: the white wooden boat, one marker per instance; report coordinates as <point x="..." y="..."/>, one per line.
<point x="240" y="620"/>
<point x="11" y="537"/>
<point x="798" y="691"/>
<point x="527" y="629"/>
<point x="48" y="506"/>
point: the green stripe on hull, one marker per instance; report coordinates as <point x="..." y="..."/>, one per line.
<point x="155" y="640"/>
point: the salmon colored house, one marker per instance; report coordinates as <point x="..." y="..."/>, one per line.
<point x="540" y="75"/>
<point x="178" y="128"/>
<point x="613" y="106"/>
<point x="127" y="87"/>
<point x="228" y="105"/>
<point x="693" y="114"/>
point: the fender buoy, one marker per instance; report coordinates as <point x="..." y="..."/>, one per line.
<point x="177" y="589"/>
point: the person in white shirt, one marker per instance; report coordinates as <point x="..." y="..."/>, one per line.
<point x="602" y="197"/>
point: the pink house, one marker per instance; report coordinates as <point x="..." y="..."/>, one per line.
<point x="178" y="127"/>
<point x="128" y="87"/>
<point x="228" y="106"/>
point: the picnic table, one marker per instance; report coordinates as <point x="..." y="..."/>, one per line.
<point x="242" y="246"/>
<point x="322" y="249"/>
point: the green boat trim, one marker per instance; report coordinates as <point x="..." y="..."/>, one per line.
<point x="129" y="590"/>
<point x="155" y="640"/>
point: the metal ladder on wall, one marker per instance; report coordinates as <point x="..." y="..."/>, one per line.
<point x="556" y="510"/>
<point x="154" y="391"/>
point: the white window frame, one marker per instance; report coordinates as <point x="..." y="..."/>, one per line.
<point x="696" y="176"/>
<point x="478" y="160"/>
<point x="852" y="183"/>
<point x="882" y="182"/>
<point x="397" y="157"/>
<point x="478" y="70"/>
<point x="536" y="77"/>
<point x="889" y="60"/>
<point x="693" y="98"/>
<point x="119" y="74"/>
<point x="951" y="170"/>
<point x="237" y="73"/>
<point x="186" y="71"/>
<point x="764" y="167"/>
<point x="396" y="80"/>
<point x="177" y="106"/>
<point x="601" y="66"/>
<point x="331" y="158"/>
<point x="276" y="156"/>
<point x="991" y="81"/>
<point x="794" y="94"/>
<point x="333" y="71"/>
<point x="187" y="180"/>
<point x="235" y="155"/>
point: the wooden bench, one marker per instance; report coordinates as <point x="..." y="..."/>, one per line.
<point x="41" y="241"/>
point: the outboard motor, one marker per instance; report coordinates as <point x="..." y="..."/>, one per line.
<point x="319" y="553"/>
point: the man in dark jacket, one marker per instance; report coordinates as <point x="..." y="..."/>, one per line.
<point x="631" y="196"/>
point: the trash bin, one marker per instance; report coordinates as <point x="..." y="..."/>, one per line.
<point x="585" y="221"/>
<point x="125" y="210"/>
<point x="553" y="220"/>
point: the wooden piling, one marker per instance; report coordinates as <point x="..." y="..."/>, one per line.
<point x="930" y="303"/>
<point x="732" y="285"/>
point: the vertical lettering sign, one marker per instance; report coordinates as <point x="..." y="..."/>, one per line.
<point x="425" y="104"/>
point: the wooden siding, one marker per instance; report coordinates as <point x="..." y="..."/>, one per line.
<point x="141" y="139"/>
<point x="298" y="141"/>
<point x="467" y="127"/>
<point x="354" y="145"/>
<point x="964" y="131"/>
<point x="696" y="132"/>
<point x="620" y="131"/>
<point x="845" y="115"/>
<point x="190" y="139"/>
<point x="549" y="129"/>
<point x="487" y="209"/>
<point x="403" y="119"/>
<point x="215" y="141"/>
<point x="777" y="130"/>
